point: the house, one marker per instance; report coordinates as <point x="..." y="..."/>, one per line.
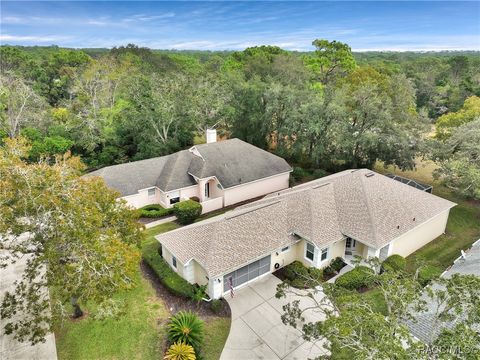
<point x="217" y="173"/>
<point x="354" y="212"/>
<point x="425" y="325"/>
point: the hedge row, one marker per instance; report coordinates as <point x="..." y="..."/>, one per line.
<point x="154" y="211"/>
<point x="169" y="278"/>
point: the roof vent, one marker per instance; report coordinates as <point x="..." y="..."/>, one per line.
<point x="413" y="219"/>
<point x="370" y="174"/>
<point x="398" y="226"/>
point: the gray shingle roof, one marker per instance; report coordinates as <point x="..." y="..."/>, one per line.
<point x="233" y="162"/>
<point x="367" y="208"/>
<point x="236" y="163"/>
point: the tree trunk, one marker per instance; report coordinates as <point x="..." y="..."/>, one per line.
<point x="77" y="311"/>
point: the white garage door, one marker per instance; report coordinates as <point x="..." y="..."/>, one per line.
<point x="246" y="273"/>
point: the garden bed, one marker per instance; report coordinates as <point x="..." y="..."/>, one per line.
<point x="176" y="303"/>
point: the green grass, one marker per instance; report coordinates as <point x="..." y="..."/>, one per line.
<point x="216" y="333"/>
<point x="150" y="233"/>
<point x="136" y="334"/>
<point x="463" y="228"/>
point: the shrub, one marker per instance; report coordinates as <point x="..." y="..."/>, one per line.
<point x="187" y="211"/>
<point x="186" y="327"/>
<point x="427" y="273"/>
<point x="169" y="278"/>
<point x="301" y="276"/>
<point x="356" y="279"/>
<point x="299" y="173"/>
<point x="294" y="270"/>
<point x="180" y="351"/>
<point x="216" y="306"/>
<point x="394" y="263"/>
<point x="319" y="173"/>
<point x="195" y="198"/>
<point x="328" y="272"/>
<point x="337" y="264"/>
<point x="154" y="211"/>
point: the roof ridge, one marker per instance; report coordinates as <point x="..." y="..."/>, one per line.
<point x="367" y="203"/>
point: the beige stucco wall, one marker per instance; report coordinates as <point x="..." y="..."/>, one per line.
<point x="200" y="275"/>
<point x="285" y="258"/>
<point x="420" y="236"/>
<point x="167" y="255"/>
<point x="188" y="192"/>
<point x="141" y="199"/>
<point x="337" y="249"/>
<point x="255" y="189"/>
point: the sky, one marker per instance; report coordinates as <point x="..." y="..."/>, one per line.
<point x="232" y="25"/>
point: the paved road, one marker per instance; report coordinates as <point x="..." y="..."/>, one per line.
<point x="11" y="349"/>
<point x="257" y="331"/>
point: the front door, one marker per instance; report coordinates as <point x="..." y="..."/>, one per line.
<point x="350" y="245"/>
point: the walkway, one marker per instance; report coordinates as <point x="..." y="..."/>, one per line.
<point x="159" y="222"/>
<point x="257" y="331"/>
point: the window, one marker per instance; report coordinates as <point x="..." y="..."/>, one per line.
<point x="151" y="192"/>
<point x="324" y="254"/>
<point x="207" y="190"/>
<point x="174" y="200"/>
<point x="310" y="251"/>
<point x="174" y="262"/>
<point x="286" y="248"/>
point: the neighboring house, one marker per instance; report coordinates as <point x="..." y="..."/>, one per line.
<point x="426" y="326"/>
<point x="355" y="212"/>
<point x="217" y="173"/>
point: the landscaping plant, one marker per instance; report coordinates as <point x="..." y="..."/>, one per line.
<point x="359" y="278"/>
<point x="186" y="327"/>
<point x="394" y="263"/>
<point x="180" y="351"/>
<point x="187" y="211"/>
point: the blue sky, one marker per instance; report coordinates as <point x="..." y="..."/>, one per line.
<point x="387" y="25"/>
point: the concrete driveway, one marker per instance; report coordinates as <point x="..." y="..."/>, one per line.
<point x="257" y="331"/>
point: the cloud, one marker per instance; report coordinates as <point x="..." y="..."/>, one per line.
<point x="145" y="18"/>
<point x="33" y="38"/>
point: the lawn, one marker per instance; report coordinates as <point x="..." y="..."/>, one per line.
<point x="139" y="333"/>
<point x="463" y="227"/>
<point x="136" y="334"/>
<point x="216" y="333"/>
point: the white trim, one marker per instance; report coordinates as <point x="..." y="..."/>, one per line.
<point x="328" y="254"/>
<point x="305" y="252"/>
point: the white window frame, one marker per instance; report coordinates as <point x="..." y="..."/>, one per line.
<point x="149" y="190"/>
<point x="285" y="249"/>
<point x="322" y="252"/>
<point x="174" y="262"/>
<point x="308" y="251"/>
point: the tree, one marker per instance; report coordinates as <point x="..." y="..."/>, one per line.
<point x="80" y="242"/>
<point x="375" y="119"/>
<point x="447" y="123"/>
<point x="331" y="58"/>
<point x="353" y="327"/>
<point x="20" y="106"/>
<point x="459" y="159"/>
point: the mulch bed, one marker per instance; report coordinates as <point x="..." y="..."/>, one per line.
<point x="175" y="303"/>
